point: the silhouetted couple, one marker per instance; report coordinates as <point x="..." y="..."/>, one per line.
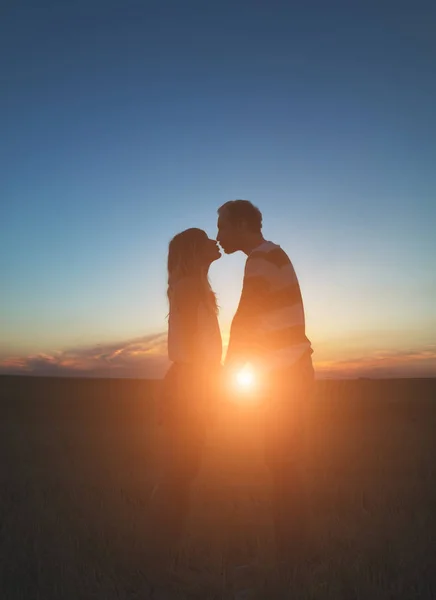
<point x="268" y="332"/>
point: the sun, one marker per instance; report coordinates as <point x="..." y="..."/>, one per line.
<point x="245" y="379"/>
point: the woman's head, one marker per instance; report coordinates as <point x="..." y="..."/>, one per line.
<point x="190" y="253"/>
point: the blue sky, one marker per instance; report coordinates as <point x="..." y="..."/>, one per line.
<point x="125" y="122"/>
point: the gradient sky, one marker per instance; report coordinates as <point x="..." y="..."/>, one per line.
<point x="123" y="123"/>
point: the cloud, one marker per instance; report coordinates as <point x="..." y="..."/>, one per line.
<point x="146" y="357"/>
<point x="384" y="363"/>
<point x="142" y="357"/>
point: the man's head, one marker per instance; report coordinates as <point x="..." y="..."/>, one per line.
<point x="239" y="225"/>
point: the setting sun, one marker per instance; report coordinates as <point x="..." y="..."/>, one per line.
<point x="245" y="378"/>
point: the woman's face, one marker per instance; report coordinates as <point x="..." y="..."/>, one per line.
<point x="193" y="248"/>
<point x="210" y="251"/>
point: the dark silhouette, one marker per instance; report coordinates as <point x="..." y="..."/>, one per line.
<point x="187" y="402"/>
<point x="268" y="331"/>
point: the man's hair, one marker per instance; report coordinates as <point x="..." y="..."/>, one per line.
<point x="243" y="211"/>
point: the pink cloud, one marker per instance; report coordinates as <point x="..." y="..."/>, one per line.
<point x="146" y="357"/>
<point x="386" y="363"/>
<point x="141" y="357"/>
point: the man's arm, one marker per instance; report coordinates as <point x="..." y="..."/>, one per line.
<point x="243" y="335"/>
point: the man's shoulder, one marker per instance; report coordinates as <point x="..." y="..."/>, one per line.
<point x="271" y="254"/>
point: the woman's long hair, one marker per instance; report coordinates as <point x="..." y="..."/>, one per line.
<point x="186" y="259"/>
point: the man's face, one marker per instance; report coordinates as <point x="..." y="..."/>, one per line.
<point x="229" y="235"/>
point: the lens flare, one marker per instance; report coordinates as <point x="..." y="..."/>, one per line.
<point x="245" y="379"/>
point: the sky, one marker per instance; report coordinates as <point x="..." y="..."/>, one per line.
<point x="123" y="123"/>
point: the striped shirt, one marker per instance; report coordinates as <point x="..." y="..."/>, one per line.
<point x="268" y="328"/>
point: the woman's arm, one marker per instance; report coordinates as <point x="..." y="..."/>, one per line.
<point x="185" y="303"/>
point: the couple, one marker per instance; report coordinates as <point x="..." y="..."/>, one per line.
<point x="268" y="331"/>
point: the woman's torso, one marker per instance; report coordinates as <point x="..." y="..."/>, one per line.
<point x="208" y="342"/>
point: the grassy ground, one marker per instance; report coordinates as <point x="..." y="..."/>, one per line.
<point x="77" y="466"/>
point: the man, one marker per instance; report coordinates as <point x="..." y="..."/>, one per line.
<point x="268" y="331"/>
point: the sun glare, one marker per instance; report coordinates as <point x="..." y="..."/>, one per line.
<point x="245" y="378"/>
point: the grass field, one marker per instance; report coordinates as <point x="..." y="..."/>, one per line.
<point x="77" y="466"/>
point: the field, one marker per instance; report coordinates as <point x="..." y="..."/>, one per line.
<point x="78" y="463"/>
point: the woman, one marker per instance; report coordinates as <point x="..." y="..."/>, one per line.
<point x="186" y="404"/>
